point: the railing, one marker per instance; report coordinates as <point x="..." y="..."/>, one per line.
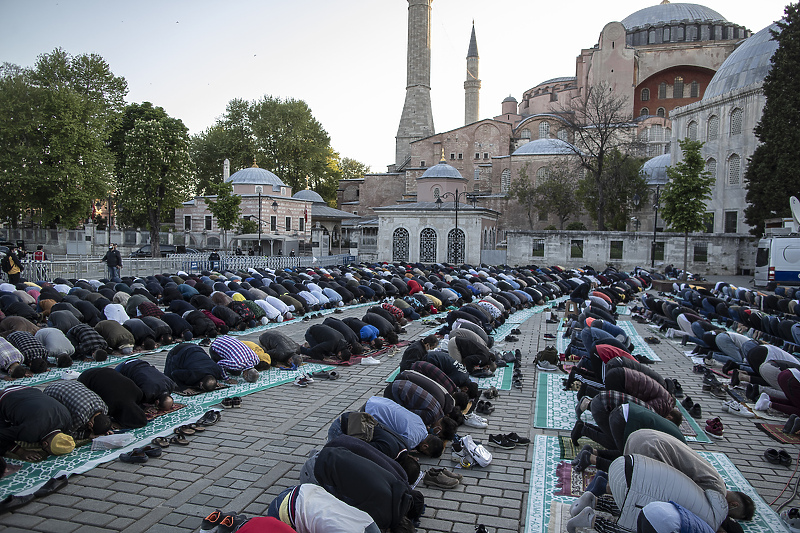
<point x="89" y="267"/>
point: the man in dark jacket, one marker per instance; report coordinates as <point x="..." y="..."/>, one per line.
<point x="418" y="351"/>
<point x="122" y="395"/>
<point x="324" y="341"/>
<point x="156" y="386"/>
<point x="353" y="340"/>
<point x="29" y="415"/>
<point x="279" y="347"/>
<point x="188" y="365"/>
<point x="113" y="260"/>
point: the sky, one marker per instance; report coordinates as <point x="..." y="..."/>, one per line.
<point x="345" y="58"/>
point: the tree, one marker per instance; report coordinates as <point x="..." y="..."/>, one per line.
<point x="55" y="159"/>
<point x="525" y="192"/>
<point x="621" y="181"/>
<point x="352" y="169"/>
<point x="686" y="194"/>
<point x="225" y="208"/>
<point x="599" y="121"/>
<point x="771" y="176"/>
<point x="156" y="174"/>
<point x="247" y="226"/>
<point x="556" y="192"/>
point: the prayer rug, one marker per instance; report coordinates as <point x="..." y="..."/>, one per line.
<point x="774" y="431"/>
<point x="543" y="489"/>
<point x="356" y="359"/>
<point x="640" y="345"/>
<point x="623" y="310"/>
<point x="152" y="412"/>
<point x="194" y="391"/>
<point x="502" y="379"/>
<point x="55" y="373"/>
<point x="31" y="476"/>
<point x="692" y="433"/>
<point x="570" y="482"/>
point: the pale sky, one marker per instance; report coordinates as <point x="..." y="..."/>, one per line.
<point x="345" y="58"/>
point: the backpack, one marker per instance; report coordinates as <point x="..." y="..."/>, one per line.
<point x="359" y="425"/>
<point x="549" y="354"/>
<point x="5" y="263"/>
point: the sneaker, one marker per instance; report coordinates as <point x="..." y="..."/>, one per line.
<point x="687" y="403"/>
<point x="369" y="361"/>
<point x="211" y="522"/>
<point x="501" y="441"/>
<point x="460" y="455"/>
<point x="735" y="408"/>
<point x="446" y="472"/>
<point x="231" y="523"/>
<point x="474" y="421"/>
<point x="439" y="479"/>
<point x="549" y="336"/>
<point x="714" y="428"/>
<point x="516" y="439"/>
<point x="696" y="411"/>
<point x="678" y="393"/>
<point x="301" y="381"/>
<point x="546" y="366"/>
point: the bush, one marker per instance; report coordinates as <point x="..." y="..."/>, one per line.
<point x="576" y="226"/>
<point x="551" y="227"/>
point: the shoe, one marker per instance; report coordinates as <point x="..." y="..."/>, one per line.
<point x="787" y="428"/>
<point x="687" y="403"/>
<point x="735" y="378"/>
<point x="551" y="321"/>
<point x="491" y="393"/>
<point x="583" y="520"/>
<point x="763" y="402"/>
<point x="484" y="407"/>
<point x="729" y="365"/>
<point x="735" y="408"/>
<point x="448" y="473"/>
<point x="519" y="441"/>
<point x="511" y="338"/>
<point x="369" y="361"/>
<point x="771" y="455"/>
<point x="211" y="522"/>
<point x="587" y="499"/>
<point x="577" y="432"/>
<point x="480" y="528"/>
<point x="546" y="366"/>
<point x="474" y="421"/>
<point x="784" y="457"/>
<point x="718" y="392"/>
<point x="714" y="428"/>
<point x="643" y="360"/>
<point x="501" y="441"/>
<point x="751" y="393"/>
<point x="518" y="384"/>
<point x="696" y="411"/>
<point x="678" y="392"/>
<point x="582" y="405"/>
<point x="231" y="523"/>
<point x="135" y="456"/>
<point x="438" y="479"/>
<point x="150" y="450"/>
<point x="516" y="332"/>
<point x="549" y="336"/>
<point x="301" y="381"/>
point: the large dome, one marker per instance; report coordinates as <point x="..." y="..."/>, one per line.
<point x="665" y="13"/>
<point x="748" y="64"/>
<point x="309" y="195"/>
<point x="255" y="176"/>
<point x="545" y="147"/>
<point x="442" y="170"/>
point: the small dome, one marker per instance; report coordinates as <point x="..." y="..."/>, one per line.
<point x="655" y="170"/>
<point x="510" y="98"/>
<point x="442" y="170"/>
<point x="748" y="64"/>
<point x="665" y="13"/>
<point x="545" y="147"/>
<point x="255" y="176"/>
<point x="309" y="195"/>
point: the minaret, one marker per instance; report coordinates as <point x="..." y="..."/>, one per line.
<point x="472" y="87"/>
<point x="417" y="119"/>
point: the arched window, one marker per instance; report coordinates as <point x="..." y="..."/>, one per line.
<point x="711" y="167"/>
<point x="505" y="180"/>
<point x="656" y="133"/>
<point x="563" y="135"/>
<point x="645" y="95"/>
<point x="526" y="134"/>
<point x="661" y="112"/>
<point x="436" y="192"/>
<point x="734" y="169"/>
<point x="400" y="245"/>
<point x="427" y="246"/>
<point x="645" y="112"/>
<point x="713" y="127"/>
<point x="542" y="174"/>
<point x="694" y="92"/>
<point x="691" y="131"/>
<point x="662" y="90"/>
<point x="677" y="88"/>
<point x="455" y="246"/>
<point x="544" y="130"/>
<point x="736" y="121"/>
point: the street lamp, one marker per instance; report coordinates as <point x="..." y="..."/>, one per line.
<point x="259" y="188"/>
<point x="456" y="196"/>
<point x="636" y="200"/>
<point x="655" y="224"/>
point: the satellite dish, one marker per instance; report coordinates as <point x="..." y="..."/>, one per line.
<point x="794" y="203"/>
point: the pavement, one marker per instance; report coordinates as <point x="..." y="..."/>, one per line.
<point x="254" y="452"/>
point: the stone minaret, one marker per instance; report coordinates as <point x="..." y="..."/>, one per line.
<point x="472" y="86"/>
<point x="417" y="119"/>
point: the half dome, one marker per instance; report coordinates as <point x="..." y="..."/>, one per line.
<point x="748" y="64"/>
<point x="545" y="147"/>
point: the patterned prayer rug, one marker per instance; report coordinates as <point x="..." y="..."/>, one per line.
<point x="501" y="380"/>
<point x="640" y="345"/>
<point x="55" y="373"/>
<point x="774" y="431"/>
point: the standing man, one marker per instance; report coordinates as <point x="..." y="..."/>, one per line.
<point x="12" y="265"/>
<point x="113" y="260"/>
<point x="213" y="260"/>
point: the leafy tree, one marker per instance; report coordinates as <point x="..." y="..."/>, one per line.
<point x="686" y="194"/>
<point x="525" y="192"/>
<point x="352" y="169"/>
<point x="248" y="226"/>
<point x="621" y="180"/>
<point x="576" y="226"/>
<point x="157" y="172"/>
<point x="599" y="121"/>
<point x="772" y="176"/>
<point x="225" y="208"/>
<point x="556" y="193"/>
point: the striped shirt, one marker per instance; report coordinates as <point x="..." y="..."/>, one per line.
<point x="80" y="401"/>
<point x="417" y="400"/>
<point x="9" y="354"/>
<point x="234" y="354"/>
<point x="28" y="345"/>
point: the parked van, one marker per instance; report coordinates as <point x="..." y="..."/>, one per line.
<point x="778" y="259"/>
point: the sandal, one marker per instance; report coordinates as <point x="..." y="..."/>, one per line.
<point x="210" y="418"/>
<point x="160" y="441"/>
<point x="179" y="440"/>
<point x="186" y="431"/>
<point x="197" y="427"/>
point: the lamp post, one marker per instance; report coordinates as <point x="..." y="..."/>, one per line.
<point x="258" y="190"/>
<point x="655" y="225"/>
<point x="456" y="196"/>
<point x="275" y="210"/>
<point x="636" y="200"/>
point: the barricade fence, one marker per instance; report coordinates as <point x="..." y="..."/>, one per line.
<point x="89" y="267"/>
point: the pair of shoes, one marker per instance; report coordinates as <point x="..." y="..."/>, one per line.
<point x="484" y="407"/>
<point x="717" y="392"/>
<point x="714" y="427"/>
<point x="329" y="374"/>
<point x="643" y="360"/>
<point x="338" y="311"/>
<point x="369" y="361"/>
<point x="511" y="338"/>
<point x="787" y="428"/>
<point x="302" y="381"/>
<point x="140" y="455"/>
<point x="516" y="331"/>
<point x="652" y="340"/>
<point x="474" y="421"/>
<point x="233" y="401"/>
<point x="491" y="393"/>
<point x="777" y="457"/>
<point x="448" y="473"/>
<point x="687" y="403"/>
<point x="210" y="418"/>
<point x="501" y="441"/>
<point x="546" y="366"/>
<point x="439" y="479"/>
<point x="222" y="523"/>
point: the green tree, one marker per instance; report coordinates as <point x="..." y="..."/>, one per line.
<point x="225" y="208"/>
<point x="248" y="226"/>
<point x="686" y="194"/>
<point x="524" y="191"/>
<point x="772" y="176"/>
<point x="157" y="172"/>
<point x="352" y="169"/>
<point x="556" y="192"/>
<point x="621" y="180"/>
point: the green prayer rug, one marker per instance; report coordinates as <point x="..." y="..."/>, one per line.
<point x="502" y="379"/>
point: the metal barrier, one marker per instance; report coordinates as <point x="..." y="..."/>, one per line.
<point x="89" y="267"/>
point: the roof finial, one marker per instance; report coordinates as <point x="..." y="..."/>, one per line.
<point x="442" y="159"/>
<point x="664" y="2"/>
<point x="308" y="181"/>
<point x="255" y="165"/>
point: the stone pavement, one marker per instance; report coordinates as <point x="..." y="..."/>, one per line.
<point x="256" y="451"/>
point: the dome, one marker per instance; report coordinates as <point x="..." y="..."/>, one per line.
<point x="748" y="64"/>
<point x="510" y="98"/>
<point x="309" y="195"/>
<point x="655" y="170"/>
<point x="255" y="176"/>
<point x="664" y="13"/>
<point x="442" y="170"/>
<point x="545" y="147"/>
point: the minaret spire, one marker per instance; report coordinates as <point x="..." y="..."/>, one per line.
<point x="472" y="85"/>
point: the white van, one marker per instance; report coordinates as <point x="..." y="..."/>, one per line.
<point x="778" y="259"/>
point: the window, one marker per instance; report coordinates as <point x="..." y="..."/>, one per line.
<point x="661" y="113"/>
<point x="666" y="35"/>
<point x="400" y="245"/>
<point x="645" y="95"/>
<point x="656" y="133"/>
<point x="644" y="112"/>
<point x="301" y="223"/>
<point x="476" y="174"/>
<point x="713" y="127"/>
<point x="526" y="134"/>
<point x="427" y="246"/>
<point x="662" y="91"/>
<point x="694" y="92"/>
<point x="460" y="157"/>
<point x="455" y="246"/>
<point x="734" y="169"/>
<point x="486" y="155"/>
<point x="422" y="163"/>
<point x="576" y="249"/>
<point x="677" y="88"/>
<point x="563" y="135"/>
<point x="700" y="252"/>
<point x="736" y="122"/>
<point x="288" y="223"/>
<point x="505" y="180"/>
<point x="554" y="96"/>
<point x="711" y="167"/>
<point x="731" y="221"/>
<point x="658" y="251"/>
<point x="691" y="131"/>
<point x="542" y="174"/>
<point x="544" y="130"/>
<point x="187" y="222"/>
<point x="616" y="250"/>
<point x="538" y="248"/>
<point x="644" y="136"/>
<point x="273" y="223"/>
<point x="452" y="156"/>
<point x="477" y="155"/>
<point x="708" y="221"/>
<point x="208" y="223"/>
<point x="436" y="192"/>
